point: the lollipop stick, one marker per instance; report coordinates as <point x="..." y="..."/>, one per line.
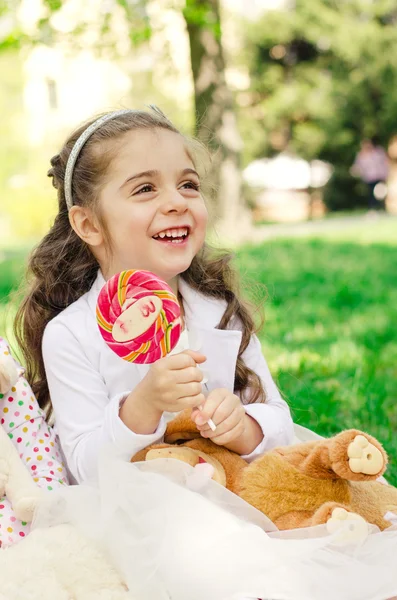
<point x="195" y="345"/>
<point x="210" y="422"/>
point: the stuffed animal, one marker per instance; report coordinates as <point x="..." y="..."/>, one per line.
<point x="59" y="563"/>
<point x="8" y="372"/>
<point x="318" y="482"/>
<point x="51" y="566"/>
<point x="15" y="480"/>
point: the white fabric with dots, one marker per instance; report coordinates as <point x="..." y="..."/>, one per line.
<point x="24" y="421"/>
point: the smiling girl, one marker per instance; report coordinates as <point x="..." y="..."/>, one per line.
<point x="129" y="193"/>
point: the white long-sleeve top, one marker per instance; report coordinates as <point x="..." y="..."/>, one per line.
<point x="87" y="380"/>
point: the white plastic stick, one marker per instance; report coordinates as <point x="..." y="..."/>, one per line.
<point x="210" y="422"/>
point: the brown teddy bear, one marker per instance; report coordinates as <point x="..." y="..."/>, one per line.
<point x="312" y="483"/>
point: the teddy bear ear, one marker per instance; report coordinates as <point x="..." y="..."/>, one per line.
<point x="5" y="381"/>
<point x="9" y="374"/>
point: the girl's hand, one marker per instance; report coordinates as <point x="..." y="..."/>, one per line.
<point x="227" y="413"/>
<point x="235" y="430"/>
<point x="172" y="384"/>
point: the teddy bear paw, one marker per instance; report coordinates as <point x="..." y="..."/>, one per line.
<point x="364" y="457"/>
<point x="347" y="527"/>
<point x="24" y="508"/>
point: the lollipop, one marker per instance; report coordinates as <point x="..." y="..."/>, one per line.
<point x="138" y="316"/>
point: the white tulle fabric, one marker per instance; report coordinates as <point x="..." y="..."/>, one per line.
<point x="175" y="534"/>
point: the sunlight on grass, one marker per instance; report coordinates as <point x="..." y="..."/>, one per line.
<point x="370" y="231"/>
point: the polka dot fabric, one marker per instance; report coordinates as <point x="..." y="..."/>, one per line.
<point x="24" y="421"/>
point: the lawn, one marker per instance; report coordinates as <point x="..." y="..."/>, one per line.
<point x="330" y="335"/>
<point x="331" y="325"/>
<point x="11" y="272"/>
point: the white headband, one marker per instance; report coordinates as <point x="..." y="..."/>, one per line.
<point x="87" y="133"/>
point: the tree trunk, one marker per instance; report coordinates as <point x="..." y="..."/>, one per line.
<point x="215" y="118"/>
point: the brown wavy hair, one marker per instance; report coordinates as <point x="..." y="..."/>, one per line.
<point x="62" y="267"/>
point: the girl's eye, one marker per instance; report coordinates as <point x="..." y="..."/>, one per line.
<point x="191" y="185"/>
<point x="145" y="189"/>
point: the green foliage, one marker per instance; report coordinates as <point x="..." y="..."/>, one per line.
<point x="324" y="76"/>
<point x="31" y="210"/>
<point x="53" y="5"/>
<point x="344" y="190"/>
<point x="330" y="334"/>
<point x="45" y="33"/>
<point x="13" y="41"/>
<point x="135" y="11"/>
<point x="28" y="201"/>
<point x="141" y="34"/>
<point x="12" y="266"/>
<point x="12" y="155"/>
<point x="203" y="14"/>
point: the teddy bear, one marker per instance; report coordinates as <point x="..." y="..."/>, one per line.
<point x="326" y="481"/>
<point x="15" y="480"/>
<point x="51" y="566"/>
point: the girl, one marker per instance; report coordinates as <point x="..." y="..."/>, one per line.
<point x="24" y="421"/>
<point x="129" y="197"/>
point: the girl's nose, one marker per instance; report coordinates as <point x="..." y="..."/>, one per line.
<point x="174" y="202"/>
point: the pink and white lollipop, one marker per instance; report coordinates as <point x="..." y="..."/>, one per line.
<point x="139" y="317"/>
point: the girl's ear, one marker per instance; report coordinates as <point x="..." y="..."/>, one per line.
<point x="86" y="225"/>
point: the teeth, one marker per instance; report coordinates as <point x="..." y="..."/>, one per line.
<point x="172" y="233"/>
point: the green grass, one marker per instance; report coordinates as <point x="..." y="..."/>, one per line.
<point x="331" y="325"/>
<point x="11" y="270"/>
<point x="12" y="266"/>
<point x="331" y="330"/>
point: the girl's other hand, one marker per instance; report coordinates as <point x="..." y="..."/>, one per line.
<point x="172" y="384"/>
<point x="227" y="413"/>
<point x="235" y="430"/>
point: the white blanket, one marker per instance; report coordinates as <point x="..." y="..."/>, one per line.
<point x="172" y="533"/>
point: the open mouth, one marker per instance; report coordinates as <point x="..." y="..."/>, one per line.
<point x="176" y="235"/>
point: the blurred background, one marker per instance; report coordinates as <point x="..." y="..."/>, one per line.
<point x="298" y="102"/>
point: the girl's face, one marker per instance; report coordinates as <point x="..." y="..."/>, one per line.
<point x="152" y="206"/>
